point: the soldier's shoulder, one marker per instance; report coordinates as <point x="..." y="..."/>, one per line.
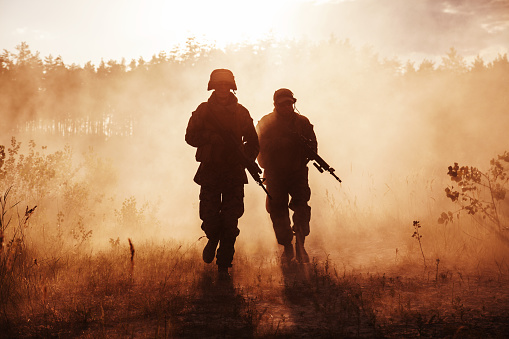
<point x="263" y="122"/>
<point x="203" y="106"/>
<point x="244" y="115"/>
<point x="268" y="117"/>
<point x="303" y="120"/>
<point x="201" y="109"/>
<point x="242" y="110"/>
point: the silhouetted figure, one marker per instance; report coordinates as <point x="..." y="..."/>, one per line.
<point x="216" y="128"/>
<point x="284" y="159"/>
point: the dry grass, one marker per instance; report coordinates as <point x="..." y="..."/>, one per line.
<point x="164" y="290"/>
<point x="368" y="276"/>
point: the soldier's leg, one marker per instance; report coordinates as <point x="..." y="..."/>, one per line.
<point x="300" y="194"/>
<point x="277" y="207"/>
<point x="210" y="207"/>
<point x="301" y="216"/>
<point x="232" y="208"/>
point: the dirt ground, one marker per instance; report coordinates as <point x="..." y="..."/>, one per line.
<point x="305" y="301"/>
<point x="310" y="305"/>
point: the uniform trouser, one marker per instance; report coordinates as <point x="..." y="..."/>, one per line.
<point x="220" y="209"/>
<point x="289" y="191"/>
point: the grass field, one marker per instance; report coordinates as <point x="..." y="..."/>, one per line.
<point x="166" y="291"/>
<point x="78" y="262"/>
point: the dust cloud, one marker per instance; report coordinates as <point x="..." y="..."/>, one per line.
<point x="390" y="128"/>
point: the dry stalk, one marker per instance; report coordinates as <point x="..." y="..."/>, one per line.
<point x="131" y="249"/>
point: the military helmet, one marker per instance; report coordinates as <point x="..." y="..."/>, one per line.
<point x="283" y="94"/>
<point x="221" y="75"/>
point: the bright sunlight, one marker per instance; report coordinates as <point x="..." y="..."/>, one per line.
<point x="222" y="22"/>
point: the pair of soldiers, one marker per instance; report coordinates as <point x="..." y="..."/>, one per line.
<point x="219" y="125"/>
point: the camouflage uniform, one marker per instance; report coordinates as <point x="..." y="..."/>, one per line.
<point x="284" y="160"/>
<point x="220" y="174"/>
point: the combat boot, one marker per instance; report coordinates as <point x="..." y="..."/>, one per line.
<point x="300" y="252"/>
<point x="223" y="274"/>
<point x="209" y="251"/>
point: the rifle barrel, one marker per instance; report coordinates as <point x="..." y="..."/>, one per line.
<point x="320" y="164"/>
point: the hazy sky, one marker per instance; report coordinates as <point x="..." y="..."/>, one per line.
<point x="89" y="30"/>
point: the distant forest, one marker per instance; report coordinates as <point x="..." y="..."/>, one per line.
<point x="32" y="87"/>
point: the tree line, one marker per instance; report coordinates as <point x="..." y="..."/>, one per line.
<point x="32" y="87"/>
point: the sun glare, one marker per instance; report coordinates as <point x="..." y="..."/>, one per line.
<point x="222" y="22"/>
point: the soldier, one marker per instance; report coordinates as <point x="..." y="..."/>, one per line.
<point x="284" y="159"/>
<point x="214" y="128"/>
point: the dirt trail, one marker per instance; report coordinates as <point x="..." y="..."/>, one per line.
<point x="305" y="301"/>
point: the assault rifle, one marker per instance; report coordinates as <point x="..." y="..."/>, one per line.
<point x="320" y="164"/>
<point x="251" y="165"/>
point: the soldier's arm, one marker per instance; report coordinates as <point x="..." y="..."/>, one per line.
<point x="250" y="138"/>
<point x="259" y="131"/>
<point x="308" y="133"/>
<point x="196" y="133"/>
<point x="312" y="138"/>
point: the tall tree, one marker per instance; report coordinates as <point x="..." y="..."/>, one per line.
<point x="454" y="62"/>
